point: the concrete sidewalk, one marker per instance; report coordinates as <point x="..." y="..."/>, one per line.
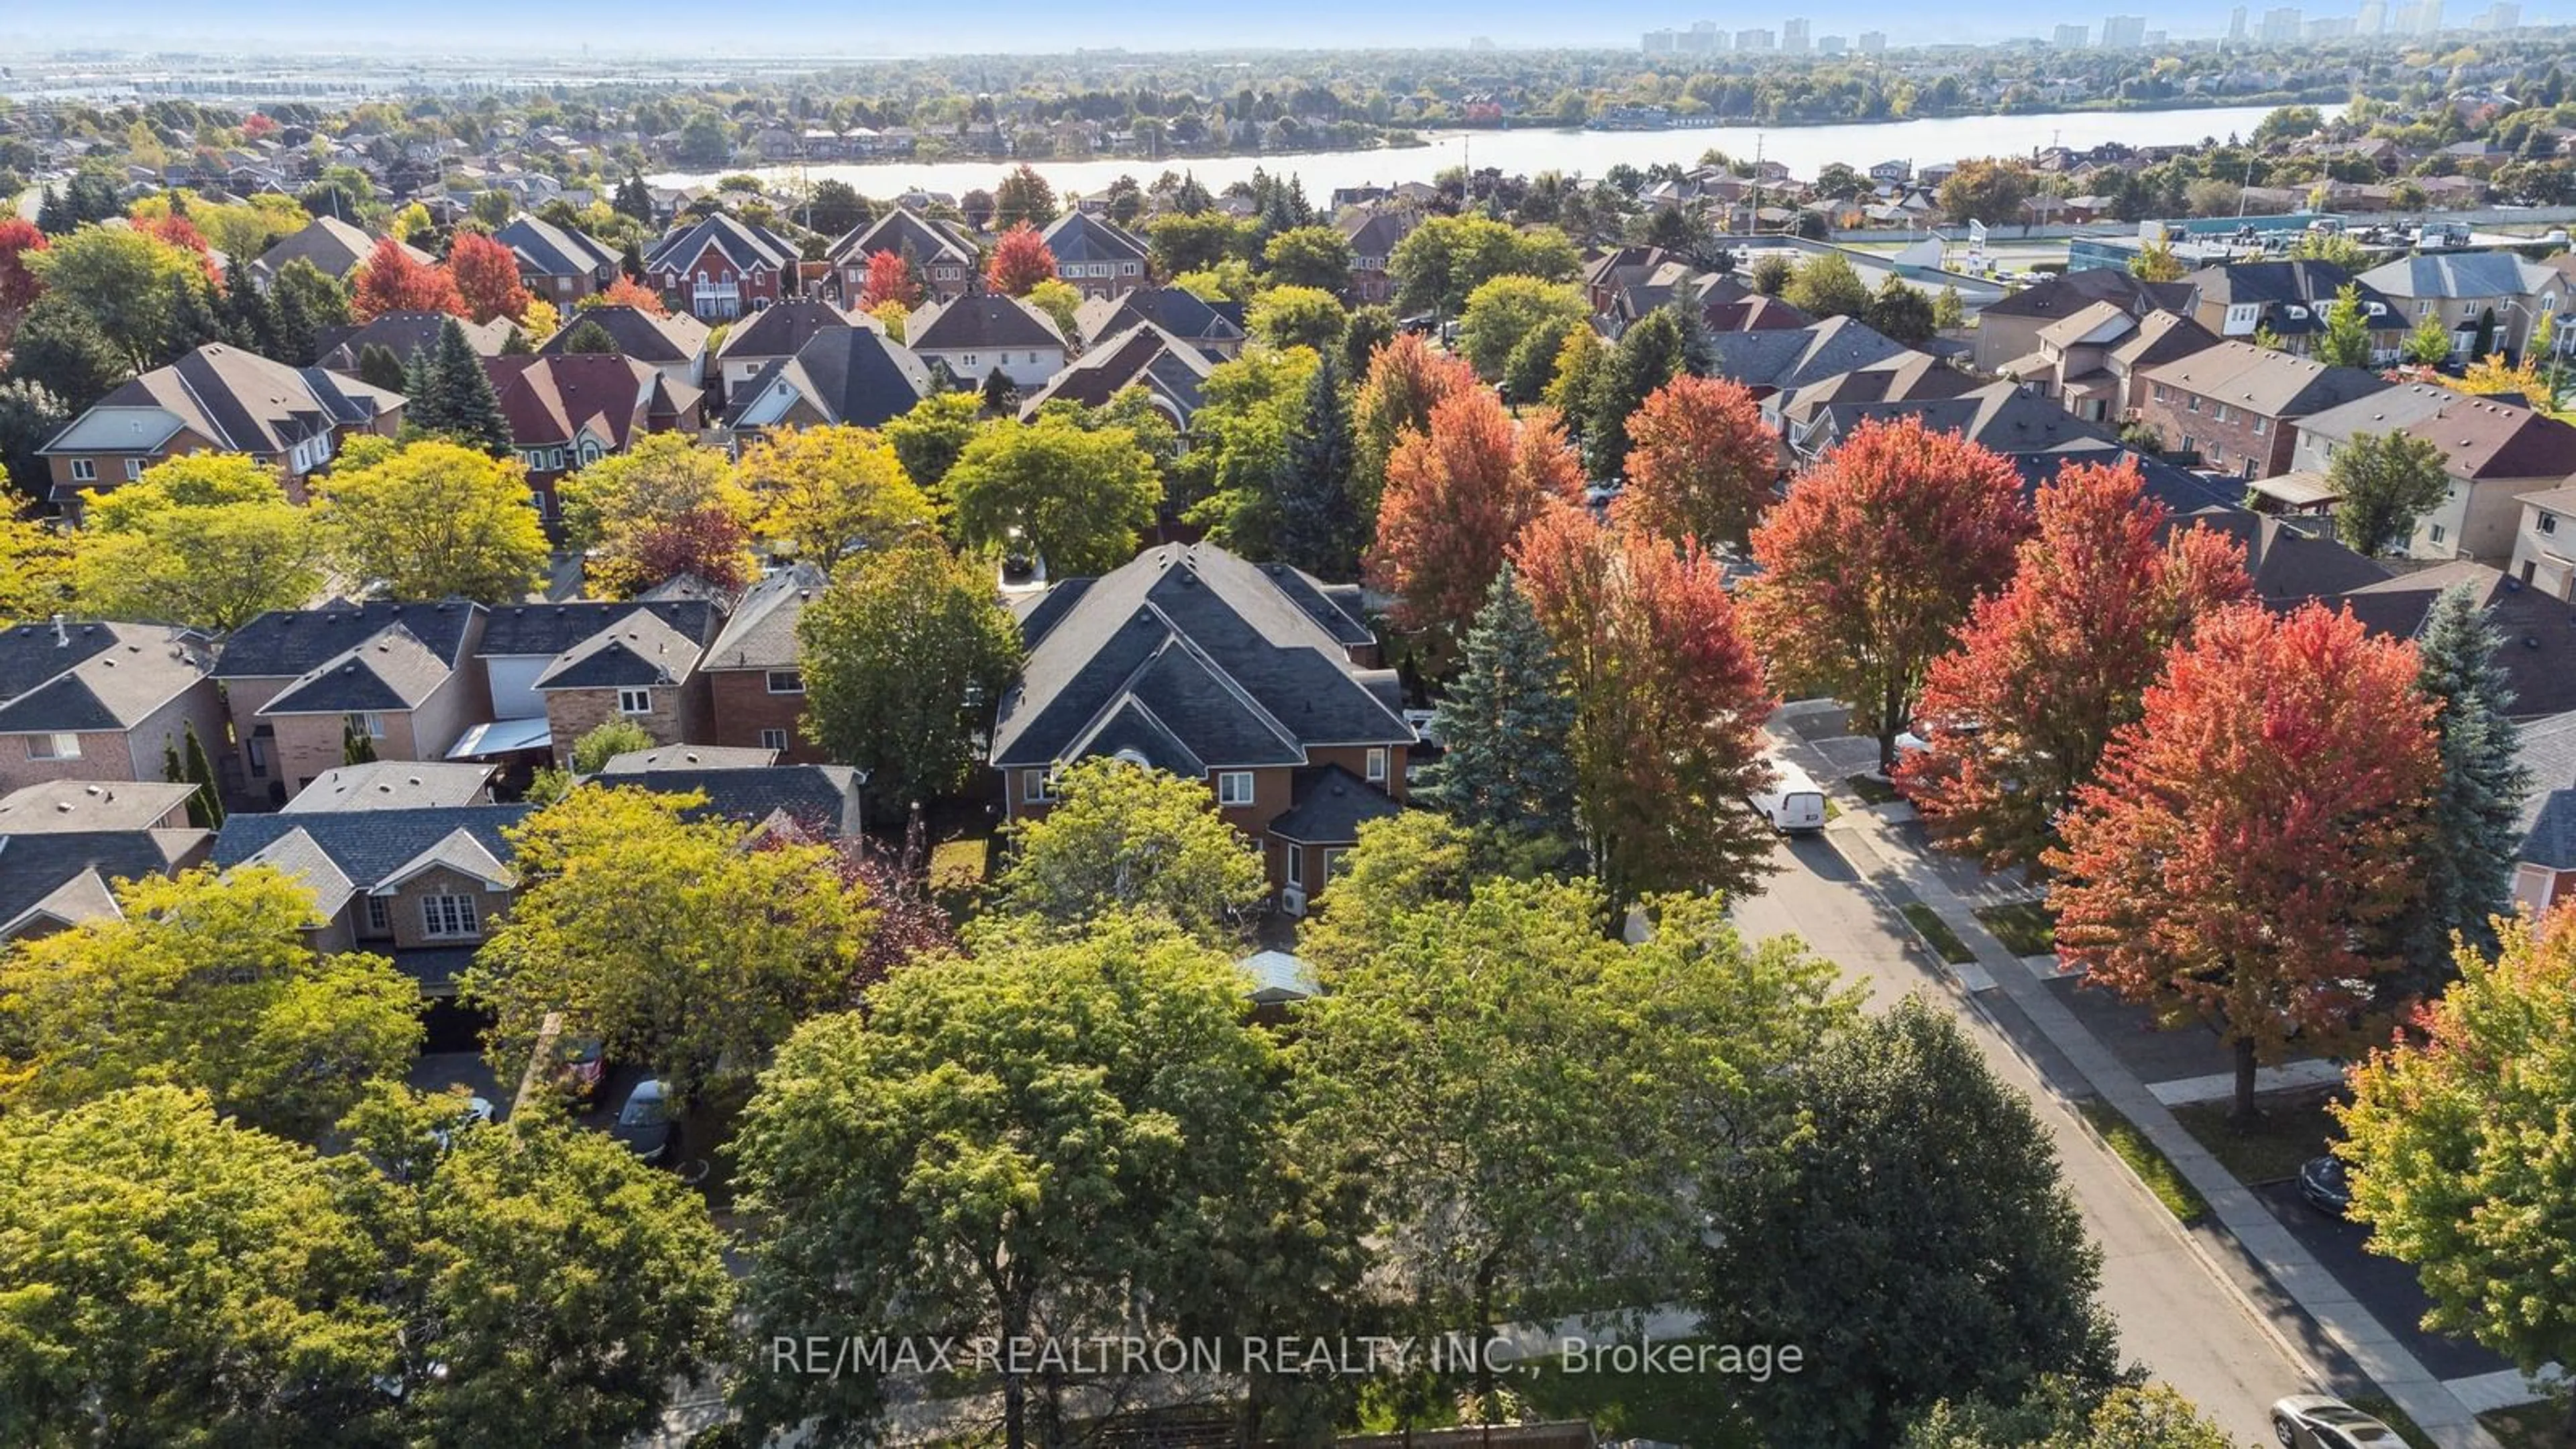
<point x="1878" y="853"/>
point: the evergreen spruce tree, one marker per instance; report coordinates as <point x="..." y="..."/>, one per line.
<point x="589" y="337"/>
<point x="1699" y="354"/>
<point x="1649" y="355"/>
<point x="206" y="807"/>
<point x="193" y="322"/>
<point x="1503" y="725"/>
<point x="633" y="199"/>
<point x="1001" y="397"/>
<point x="2468" y="857"/>
<point x="356" y="748"/>
<point x="54" y="214"/>
<point x="455" y="394"/>
<point x="250" y="317"/>
<point x="1319" y="521"/>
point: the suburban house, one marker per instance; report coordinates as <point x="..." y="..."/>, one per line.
<point x="1094" y="255"/>
<point x="2501" y="294"/>
<point x="395" y="785"/>
<point x="1604" y="277"/>
<point x="755" y="672"/>
<point x="2544" y="869"/>
<point x="980" y="331"/>
<point x="1252" y="677"/>
<point x="2288" y="299"/>
<point x="404" y="334"/>
<point x="568" y="411"/>
<point x="334" y="247"/>
<point x="102" y="701"/>
<point x="720" y="267"/>
<point x="521" y="642"/>
<point x="852" y="375"/>
<point x="301" y="685"/>
<point x="1783" y="361"/>
<point x="1373" y="237"/>
<point x="1178" y="313"/>
<point x="1172" y="373"/>
<point x="64" y="846"/>
<point x="941" y="257"/>
<point x="422" y="886"/>
<point x="2090" y="361"/>
<point x="2499" y="452"/>
<point x="558" y="264"/>
<point x="813" y="802"/>
<point x="674" y="346"/>
<point x="2544" y="545"/>
<point x="2000" y="416"/>
<point x="639" y="668"/>
<point x="771" y="334"/>
<point x="220" y="399"/>
<point x="2008" y="327"/>
<point x="2238" y="405"/>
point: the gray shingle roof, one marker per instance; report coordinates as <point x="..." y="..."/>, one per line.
<point x="637" y="333"/>
<point x="979" y="321"/>
<point x="2548" y="818"/>
<point x="67" y="874"/>
<point x="1331" y="806"/>
<point x="547" y="250"/>
<point x="1794" y="357"/>
<point x="1078" y="236"/>
<point x="2458" y="275"/>
<point x="855" y="375"/>
<point x="637" y="651"/>
<point x="816" y="796"/>
<point x="746" y="245"/>
<point x="901" y="230"/>
<point x="388" y="670"/>
<point x="239" y="401"/>
<point x="106" y="677"/>
<point x="1177" y="312"/>
<point x="2072" y="292"/>
<point x="762" y="632"/>
<point x="780" y="330"/>
<point x="2274" y="384"/>
<point x="285" y="643"/>
<point x="366" y="846"/>
<point x="545" y="630"/>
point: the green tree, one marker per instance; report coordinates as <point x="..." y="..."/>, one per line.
<point x="1949" y="313"/>
<point x="206" y="809"/>
<point x="827" y="493"/>
<point x="1059" y="300"/>
<point x="905" y="660"/>
<point x="589" y="339"/>
<point x="2346" y="342"/>
<point x="2467" y="857"/>
<point x="1290" y="316"/>
<point x="176" y="1278"/>
<point x="2063" y="1413"/>
<point x="1532" y="365"/>
<point x="204" y="539"/>
<point x="30" y="416"/>
<point x="1250" y="410"/>
<point x="1319" y="519"/>
<point x="451" y="394"/>
<point x="1649" y="355"/>
<point x="1902" y="313"/>
<point x="2384" y="482"/>
<point x="2429" y="345"/>
<point x="1309" y="256"/>
<point x="129" y="283"/>
<point x="1503" y="312"/>
<point x="1972" y="1279"/>
<point x="1023" y="198"/>
<point x="929" y="439"/>
<point x="1124" y="839"/>
<point x="1077" y="498"/>
<point x="1440" y="263"/>
<point x="604" y="742"/>
<point x="666" y="938"/>
<point x="1192" y="242"/>
<point x="1503" y="724"/>
<point x="1773" y="273"/>
<point x="2156" y="261"/>
<point x="433" y="520"/>
<point x="378" y="367"/>
<point x="309" y="302"/>
<point x="207" y="982"/>
<point x="62" y="351"/>
<point x="1826" y="286"/>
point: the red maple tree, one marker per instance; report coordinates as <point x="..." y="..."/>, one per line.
<point x="1873" y="561"/>
<point x="1700" y="461"/>
<point x="486" y="273"/>
<point x="2248" y="849"/>
<point x="174" y="230"/>
<point x="2018" y="715"/>
<point x="1456" y="497"/>
<point x="1668" y="703"/>
<point x="19" y="286"/>
<point x="391" y="279"/>
<point x="628" y="292"/>
<point x="889" y="280"/>
<point x="709" y="543"/>
<point x="1020" y="261"/>
<point x="1406" y="379"/>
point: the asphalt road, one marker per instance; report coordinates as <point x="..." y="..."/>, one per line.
<point x="2175" y="1316"/>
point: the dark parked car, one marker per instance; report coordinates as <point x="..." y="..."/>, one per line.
<point x="2323" y="1184"/>
<point x="2313" y="1421"/>
<point x="580" y="1067"/>
<point x="645" y="1123"/>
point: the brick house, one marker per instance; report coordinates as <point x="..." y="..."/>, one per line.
<point x="854" y="375"/>
<point x="404" y="334"/>
<point x="219" y="399"/>
<point x="1176" y="312"/>
<point x="1373" y="237"/>
<point x="2288" y="299"/>
<point x="755" y="673"/>
<point x="674" y="346"/>
<point x="102" y="701"/>
<point x="64" y="845"/>
<point x="1252" y="677"/>
<point x="334" y="247"/>
<point x="2497" y="453"/>
<point x="2238" y="405"/>
<point x="640" y="669"/>
<point x="2009" y="327"/>
<point x="521" y="642"/>
<point x="568" y="411"/>
<point x="721" y="267"/>
<point x="2500" y="293"/>
<point x="299" y="682"/>
<point x="558" y="264"/>
<point x="1094" y="255"/>
<point x="942" y="258"/>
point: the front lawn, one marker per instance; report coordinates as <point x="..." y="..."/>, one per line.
<point x="958" y="868"/>
<point x="2528" y="1426"/>
<point x="2152" y="1167"/>
<point x="1693" y="1409"/>
<point x="1871" y="789"/>
<point x="1937" y="934"/>
<point x="2026" y="928"/>
<point x="2294" y="1127"/>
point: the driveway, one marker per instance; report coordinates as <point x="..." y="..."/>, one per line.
<point x="2385" y="1286"/>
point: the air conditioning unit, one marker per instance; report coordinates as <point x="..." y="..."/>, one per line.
<point x="1292" y="900"/>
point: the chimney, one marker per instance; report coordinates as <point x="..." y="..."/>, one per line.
<point x="62" y="636"/>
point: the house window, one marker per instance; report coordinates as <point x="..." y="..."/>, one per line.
<point x="773" y="739"/>
<point x="1332" y="866"/>
<point x="2260" y="423"/>
<point x="2422" y="308"/>
<point x="449" y="916"/>
<point x="53" y="747"/>
<point x="2549" y="523"/>
<point x="370" y="724"/>
<point x="634" y="701"/>
<point x="2160" y="392"/>
<point x="1377" y="767"/>
<point x="133" y="469"/>
<point x="380" y="918"/>
<point x="2191" y="404"/>
<point x="2438" y="533"/>
<point x="787" y="681"/>
<point x="1234" y="787"/>
<point x="968" y="359"/>
<point x="84" y="470"/>
<point x="1296" y="859"/>
<point x="1035" y="788"/>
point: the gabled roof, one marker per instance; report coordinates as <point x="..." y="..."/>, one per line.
<point x="344" y="852"/>
<point x="2538" y="655"/>
<point x="333" y="246"/>
<point x="393" y="785"/>
<point x="547" y="250"/>
<point x="61" y="880"/>
<point x="2486" y="437"/>
<point x="2306" y="282"/>
<point x="239" y="401"/>
<point x="528" y="631"/>
<point x="461" y="851"/>
<point x="688" y="757"/>
<point x="979" y="322"/>
<point x="744" y="244"/>
<point x="637" y="333"/>
<point x="285" y="643"/>
<point x="2096" y="326"/>
<point x="1191" y="654"/>
<point x="637" y="651"/>
<point x="2289" y="567"/>
<point x="1331" y="804"/>
<point x="389" y="670"/>
<point x="1079" y="236"/>
<point x="404" y="333"/>
<point x="2162" y="337"/>
<point x="762" y="632"/>
<point x="93" y="676"/>
<point x="2548" y="819"/>
<point x="2000" y="416"/>
<point x="2457" y="275"/>
<point x="2274" y="384"/>
<point x="818" y="797"/>
<point x="551" y="401"/>
<point x="1376" y="233"/>
<point x="1794" y="358"/>
<point x="59" y="807"/>
<point x="1144" y="356"/>
<point x="856" y="375"/>
<point x="2072" y="292"/>
<point x="1907" y="376"/>
<point x="900" y="230"/>
<point x="778" y="331"/>
<point x="1177" y="312"/>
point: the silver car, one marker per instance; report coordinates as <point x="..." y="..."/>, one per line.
<point x="2315" y="1421"/>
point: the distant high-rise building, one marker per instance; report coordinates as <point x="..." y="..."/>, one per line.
<point x="2155" y="39"/>
<point x="1755" y="42"/>
<point x="2373" y="19"/>
<point x="2124" y="32"/>
<point x="1831" y="45"/>
<point x="1873" y="42"/>
<point x="1658" y="42"/>
<point x="2071" y="37"/>
<point x="1793" y="37"/>
<point x="2428" y="18"/>
<point x="2281" y="25"/>
<point x="2236" y="26"/>
<point x="2501" y="16"/>
<point x="2328" y="27"/>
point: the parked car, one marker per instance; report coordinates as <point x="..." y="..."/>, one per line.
<point x="2314" y="1421"/>
<point x="645" y="1123"/>
<point x="2323" y="1183"/>
<point x="580" y="1067"/>
<point x="1793" y="803"/>
<point x="476" y="1112"/>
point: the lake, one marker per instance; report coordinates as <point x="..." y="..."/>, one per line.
<point x="1803" y="149"/>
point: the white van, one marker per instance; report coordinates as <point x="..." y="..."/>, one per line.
<point x="1793" y="802"/>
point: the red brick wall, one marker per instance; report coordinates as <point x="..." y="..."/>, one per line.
<point x="740" y="706"/>
<point x="2223" y="446"/>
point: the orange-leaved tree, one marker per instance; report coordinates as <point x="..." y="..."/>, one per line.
<point x="1700" y="462"/>
<point x="1873" y="561"/>
<point x="1406" y="379"/>
<point x="1456" y="498"/>
<point x="628" y="292"/>
<point x="2246" y="854"/>
<point x="1668" y="704"/>
<point x="2018" y="715"/>
<point x="1020" y="261"/>
<point x="889" y="280"/>
<point x="487" y="277"/>
<point x="391" y="279"/>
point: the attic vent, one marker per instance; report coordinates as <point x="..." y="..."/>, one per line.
<point x="2530" y="641"/>
<point x="92" y="790"/>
